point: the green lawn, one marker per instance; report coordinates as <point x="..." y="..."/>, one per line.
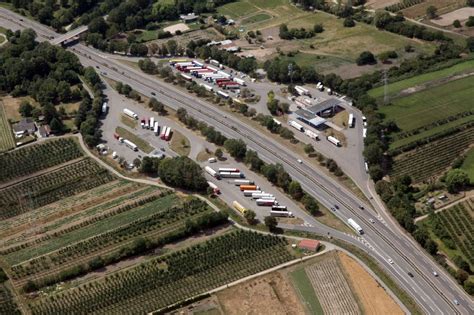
<point x="141" y="144"/>
<point x="430" y="105"/>
<point x="468" y="165"/>
<point x="256" y="18"/>
<point x="127" y="121"/>
<point x="237" y="9"/>
<point x="7" y="141"/>
<point x="305" y="291"/>
<point x="396" y="87"/>
<point x="102" y="226"/>
<point x="146" y="36"/>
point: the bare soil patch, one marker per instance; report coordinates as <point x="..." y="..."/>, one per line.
<point x="269" y="294"/>
<point x="448" y="18"/>
<point x="443" y="6"/>
<point x="380" y="4"/>
<point x="374" y="298"/>
<point x="177" y="27"/>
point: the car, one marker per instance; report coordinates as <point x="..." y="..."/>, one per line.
<point x="456" y="302"/>
<point x="162" y="149"/>
<point x="333" y="209"/>
<point x="153" y="93"/>
<point x="372" y="220"/>
<point x="410" y="274"/>
<point x="21" y="20"/>
<point x="299" y="161"/>
<point x="361" y="207"/>
<point x="336" y="206"/>
<point x="390" y="261"/>
<point x="435" y="273"/>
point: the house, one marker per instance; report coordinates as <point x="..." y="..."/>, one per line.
<point x="44" y="131"/>
<point x="189" y="18"/>
<point x="24" y="127"/>
<point x="311" y="245"/>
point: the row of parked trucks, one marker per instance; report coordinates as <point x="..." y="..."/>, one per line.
<point x="213" y="75"/>
<point x="312" y="134"/>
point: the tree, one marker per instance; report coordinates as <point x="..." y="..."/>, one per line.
<point x="366" y="58"/>
<point x="470" y="21"/>
<point x="456" y="180"/>
<point x="219" y="154"/>
<point x="431" y="11"/>
<point x="469" y="284"/>
<point x="182" y="172"/>
<point x="470" y="44"/>
<point x="25" y="109"/>
<point x="295" y="190"/>
<point x="349" y="22"/>
<point x="308" y="148"/>
<point x="138" y="49"/>
<point x="457" y="24"/>
<point x="156" y="106"/>
<point x="461" y="276"/>
<point x="56" y="125"/>
<point x="250" y="215"/>
<point x="318" y="28"/>
<point x="236" y="148"/>
<point x="271" y="223"/>
<point x="310" y="204"/>
<point x="137" y="162"/>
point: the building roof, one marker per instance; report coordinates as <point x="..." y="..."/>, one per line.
<point x="303" y="113"/>
<point x="188" y="17"/>
<point x="316" y="121"/>
<point x="26" y="124"/>
<point x="44" y="131"/>
<point x="309" y="244"/>
<point x="330" y="103"/>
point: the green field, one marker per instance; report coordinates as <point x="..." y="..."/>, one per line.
<point x="256" y="18"/>
<point x="468" y="165"/>
<point x="396" y="87"/>
<point x="141" y="144"/>
<point x="305" y="291"/>
<point x="7" y="141"/>
<point x="430" y="105"/>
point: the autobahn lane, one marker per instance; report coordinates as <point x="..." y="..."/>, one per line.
<point x="312" y="180"/>
<point x="420" y="286"/>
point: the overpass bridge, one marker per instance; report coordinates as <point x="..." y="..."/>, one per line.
<point x="71" y="34"/>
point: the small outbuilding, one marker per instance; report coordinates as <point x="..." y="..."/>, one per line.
<point x="311" y="245"/>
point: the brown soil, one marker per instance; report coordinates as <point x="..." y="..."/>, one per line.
<point x="374" y="298"/>
<point x="269" y="294"/>
<point x="380" y="4"/>
<point x="443" y="6"/>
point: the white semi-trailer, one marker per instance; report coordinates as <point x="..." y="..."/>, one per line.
<point x="295" y="125"/>
<point x="130" y="113"/>
<point x="265" y="202"/>
<point x="231" y="174"/>
<point x="351" y="122"/>
<point x="228" y="169"/>
<point x="238" y="182"/>
<point x="222" y="94"/>
<point x="355" y="226"/>
<point x="279" y="208"/>
<point x="214" y="187"/>
<point x="334" y="141"/>
<point x="207" y="87"/>
<point x="130" y="144"/>
<point x="301" y="90"/>
<point x="248" y="193"/>
<point x="276" y="213"/>
<point x="156" y="129"/>
<point x="240" y="81"/>
<point x="212" y="172"/>
<point x="364" y="132"/>
<point x="311" y="134"/>
<point x="260" y="195"/>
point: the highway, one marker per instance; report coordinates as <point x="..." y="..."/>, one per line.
<point x="434" y="295"/>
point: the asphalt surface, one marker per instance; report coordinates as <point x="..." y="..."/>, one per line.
<point x="382" y="240"/>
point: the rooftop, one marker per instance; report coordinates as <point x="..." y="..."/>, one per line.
<point x="26" y="124"/>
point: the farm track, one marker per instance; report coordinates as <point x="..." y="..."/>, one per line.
<point x="104" y="251"/>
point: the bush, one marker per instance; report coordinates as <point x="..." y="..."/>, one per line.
<point x="349" y="22"/>
<point x="366" y="58"/>
<point x="318" y="28"/>
<point x="457" y="24"/>
<point x="470" y="21"/>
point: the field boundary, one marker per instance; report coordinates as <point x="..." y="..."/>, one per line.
<point x="7" y="142"/>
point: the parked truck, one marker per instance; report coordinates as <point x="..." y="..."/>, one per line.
<point x="355" y="226"/>
<point x="228" y="169"/>
<point x="301" y="90"/>
<point x="238" y="182"/>
<point x="295" y="125"/>
<point x="351" y="122"/>
<point x="130" y="113"/>
<point x="279" y="208"/>
<point x="248" y="193"/>
<point x="249" y="187"/>
<point x="212" y="172"/>
<point x="222" y="94"/>
<point x="156" y="129"/>
<point x="130" y="144"/>
<point x="231" y="175"/>
<point x="276" y="213"/>
<point x="240" y="81"/>
<point x="168" y="134"/>
<point x="214" y="187"/>
<point x="104" y="108"/>
<point x="260" y="195"/>
<point x="239" y="207"/>
<point x="334" y="141"/>
<point x="265" y="202"/>
<point x="311" y="134"/>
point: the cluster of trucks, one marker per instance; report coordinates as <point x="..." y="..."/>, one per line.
<point x="153" y="125"/>
<point x="211" y="74"/>
<point x="249" y="189"/>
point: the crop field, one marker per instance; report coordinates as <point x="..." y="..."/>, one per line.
<point x="331" y="287"/>
<point x="156" y="220"/>
<point x="443" y="6"/>
<point x="468" y="165"/>
<point x="431" y="104"/>
<point x="433" y="158"/>
<point x="7" y="304"/>
<point x="305" y="291"/>
<point x="455" y="228"/>
<point x="396" y="87"/>
<point x="6" y="136"/>
<point x="37" y="191"/>
<point x="168" y="279"/>
<point x="31" y="159"/>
